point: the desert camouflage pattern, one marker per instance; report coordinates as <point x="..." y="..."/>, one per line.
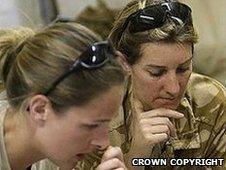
<point x="200" y="134"/>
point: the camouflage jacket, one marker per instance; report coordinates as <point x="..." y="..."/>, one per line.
<point x="201" y="133"/>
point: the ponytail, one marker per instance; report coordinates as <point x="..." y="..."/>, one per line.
<point x="11" y="43"/>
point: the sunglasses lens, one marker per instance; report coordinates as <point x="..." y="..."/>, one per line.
<point x="96" y="55"/>
<point x="181" y="11"/>
<point x="155" y="16"/>
<point x="148" y="18"/>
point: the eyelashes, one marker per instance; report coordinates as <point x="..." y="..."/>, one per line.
<point x="182" y="70"/>
<point x="91" y="127"/>
<point x="159" y="73"/>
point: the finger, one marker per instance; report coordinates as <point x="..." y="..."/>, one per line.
<point x="149" y="122"/>
<point x="156" y="130"/>
<point x="157" y="138"/>
<point x="112" y="152"/>
<point x="111" y="164"/>
<point x="121" y="169"/>
<point x="162" y="113"/>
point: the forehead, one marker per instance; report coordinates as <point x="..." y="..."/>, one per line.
<point x="165" y="53"/>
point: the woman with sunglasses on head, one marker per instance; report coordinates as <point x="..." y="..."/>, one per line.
<point x="168" y="111"/>
<point x="62" y="87"/>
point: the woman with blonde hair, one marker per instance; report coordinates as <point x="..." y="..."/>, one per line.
<point x="62" y="86"/>
<point x="168" y="111"/>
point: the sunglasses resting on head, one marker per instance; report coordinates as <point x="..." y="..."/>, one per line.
<point x="155" y="16"/>
<point x="94" y="57"/>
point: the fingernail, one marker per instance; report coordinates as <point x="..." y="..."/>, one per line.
<point x="110" y="147"/>
<point x="181" y="114"/>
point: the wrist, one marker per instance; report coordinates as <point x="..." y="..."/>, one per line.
<point x="140" y="149"/>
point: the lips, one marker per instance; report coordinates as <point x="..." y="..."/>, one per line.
<point x="167" y="102"/>
<point x="168" y="99"/>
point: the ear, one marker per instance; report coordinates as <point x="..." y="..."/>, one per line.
<point x="39" y="107"/>
<point x="122" y="61"/>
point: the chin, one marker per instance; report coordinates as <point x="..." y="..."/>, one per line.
<point x="165" y="106"/>
<point x="66" y="164"/>
<point x="170" y="107"/>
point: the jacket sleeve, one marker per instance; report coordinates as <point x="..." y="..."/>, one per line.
<point x="213" y="128"/>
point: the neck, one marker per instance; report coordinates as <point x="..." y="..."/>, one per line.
<point x="19" y="142"/>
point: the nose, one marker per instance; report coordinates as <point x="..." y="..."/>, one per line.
<point x="101" y="139"/>
<point x="172" y="85"/>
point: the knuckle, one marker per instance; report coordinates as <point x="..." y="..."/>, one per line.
<point x="116" y="162"/>
<point x="119" y="151"/>
<point x="167" y="121"/>
<point x="166" y="136"/>
<point x="166" y="128"/>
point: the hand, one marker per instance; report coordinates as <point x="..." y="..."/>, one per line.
<point x="152" y="127"/>
<point x="112" y="159"/>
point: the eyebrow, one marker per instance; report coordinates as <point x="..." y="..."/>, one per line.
<point x="102" y="121"/>
<point x="161" y="67"/>
<point x="186" y="62"/>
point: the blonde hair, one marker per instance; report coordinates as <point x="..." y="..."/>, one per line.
<point x="32" y="61"/>
<point x="129" y="43"/>
<point x="8" y="39"/>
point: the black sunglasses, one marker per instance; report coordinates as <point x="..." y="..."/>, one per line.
<point x="94" y="57"/>
<point x="155" y="16"/>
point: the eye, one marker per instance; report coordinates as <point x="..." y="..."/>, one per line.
<point x="91" y="126"/>
<point x="156" y="73"/>
<point x="182" y="70"/>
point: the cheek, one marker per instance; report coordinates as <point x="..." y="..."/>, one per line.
<point x="101" y="132"/>
<point x="183" y="79"/>
<point x="79" y="137"/>
<point x="67" y="142"/>
<point x="146" y="86"/>
<point x="76" y="143"/>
